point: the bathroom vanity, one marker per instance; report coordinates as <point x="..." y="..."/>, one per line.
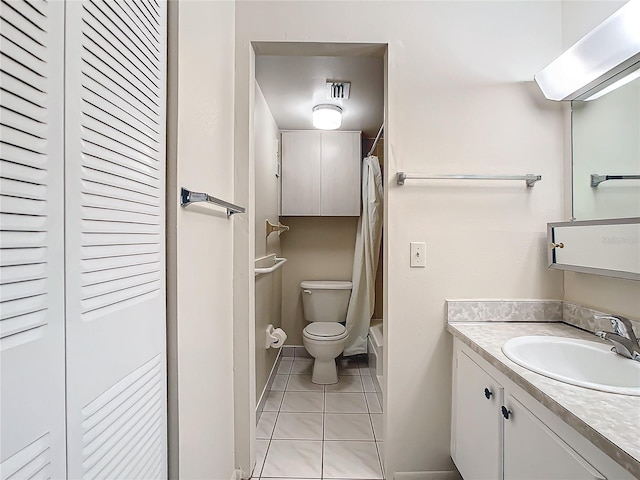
<point x="511" y="423"/>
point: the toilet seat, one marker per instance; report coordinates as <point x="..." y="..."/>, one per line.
<point x="325" y="331"/>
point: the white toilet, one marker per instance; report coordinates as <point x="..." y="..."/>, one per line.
<point x="325" y="305"/>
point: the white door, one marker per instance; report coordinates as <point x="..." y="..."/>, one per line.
<point x="32" y="428"/>
<point x="115" y="202"/>
<point x="341" y="180"/>
<point x="533" y="452"/>
<point x="301" y="172"/>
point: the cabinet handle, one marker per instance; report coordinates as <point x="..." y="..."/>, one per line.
<point x="505" y="412"/>
<point x="487" y="393"/>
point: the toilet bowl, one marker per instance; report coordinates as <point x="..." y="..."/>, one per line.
<point x="324" y="342"/>
<point x="325" y="307"/>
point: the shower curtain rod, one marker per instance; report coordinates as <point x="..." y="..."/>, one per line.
<point x="375" y="142"/>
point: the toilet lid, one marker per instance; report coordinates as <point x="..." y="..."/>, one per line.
<point x="325" y="329"/>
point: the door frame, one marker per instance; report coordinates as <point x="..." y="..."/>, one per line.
<point x="244" y="231"/>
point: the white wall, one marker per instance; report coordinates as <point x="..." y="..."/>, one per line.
<point x="200" y="240"/>
<point x="579" y="17"/>
<point x="601" y="293"/>
<point x="459" y="99"/>
<point x="317" y="248"/>
<point x="269" y="286"/>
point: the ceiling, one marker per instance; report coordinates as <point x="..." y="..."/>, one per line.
<point x="294" y="84"/>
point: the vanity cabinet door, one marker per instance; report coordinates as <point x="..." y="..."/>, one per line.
<point x="533" y="452"/>
<point x="476" y="443"/>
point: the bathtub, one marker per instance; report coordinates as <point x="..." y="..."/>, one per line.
<point x="376" y="359"/>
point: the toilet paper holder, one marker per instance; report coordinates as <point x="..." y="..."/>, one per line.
<point x="275" y="337"/>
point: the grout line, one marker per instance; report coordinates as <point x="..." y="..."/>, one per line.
<point x="373" y="430"/>
<point x="266" y="452"/>
<point x="380" y="460"/>
<point x="324" y="415"/>
<point x="273" y="431"/>
<point x="375" y="439"/>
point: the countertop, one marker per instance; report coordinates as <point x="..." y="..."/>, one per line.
<point x="610" y="421"/>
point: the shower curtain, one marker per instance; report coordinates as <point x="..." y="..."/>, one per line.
<point x="365" y="260"/>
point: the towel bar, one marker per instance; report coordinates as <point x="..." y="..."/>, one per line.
<point x="187" y="197"/>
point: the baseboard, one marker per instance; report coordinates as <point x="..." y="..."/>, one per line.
<point x="454" y="475"/>
<point x="267" y="387"/>
<point x="375" y="368"/>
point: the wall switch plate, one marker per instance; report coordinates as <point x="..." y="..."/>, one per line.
<point x="418" y="254"/>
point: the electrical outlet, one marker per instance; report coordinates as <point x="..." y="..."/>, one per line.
<point x="418" y="254"/>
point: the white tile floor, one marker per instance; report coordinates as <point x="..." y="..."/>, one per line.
<point x="308" y="431"/>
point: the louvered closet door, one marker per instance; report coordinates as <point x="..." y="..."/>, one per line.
<point x="32" y="428"/>
<point x="115" y="220"/>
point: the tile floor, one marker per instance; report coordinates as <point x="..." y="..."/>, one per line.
<point x="309" y="431"/>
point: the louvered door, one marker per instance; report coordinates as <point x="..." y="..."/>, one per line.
<point x="32" y="428"/>
<point x="115" y="178"/>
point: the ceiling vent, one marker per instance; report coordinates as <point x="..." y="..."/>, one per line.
<point x="338" y="90"/>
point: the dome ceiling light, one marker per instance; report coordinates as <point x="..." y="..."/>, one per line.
<point x="327" y="117"/>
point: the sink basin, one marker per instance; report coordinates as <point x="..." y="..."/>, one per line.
<point x="578" y="362"/>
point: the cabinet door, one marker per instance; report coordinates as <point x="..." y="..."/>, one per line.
<point x="533" y="452"/>
<point x="476" y="443"/>
<point x="594" y="249"/>
<point x="340" y="188"/>
<point x="301" y="173"/>
<point x="32" y="352"/>
<point x="115" y="248"/>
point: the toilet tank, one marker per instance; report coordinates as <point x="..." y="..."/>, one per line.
<point x="325" y="300"/>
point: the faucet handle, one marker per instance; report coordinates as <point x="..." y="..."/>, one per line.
<point x="621" y="326"/>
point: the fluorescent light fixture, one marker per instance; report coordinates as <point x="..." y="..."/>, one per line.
<point x="327" y="117"/>
<point x="617" y="84"/>
<point x="589" y="65"/>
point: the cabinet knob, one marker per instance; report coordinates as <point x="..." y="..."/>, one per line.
<point x="557" y="245"/>
<point x="487" y="393"/>
<point x="505" y="412"/>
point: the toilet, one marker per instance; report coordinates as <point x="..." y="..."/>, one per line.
<point x="325" y="306"/>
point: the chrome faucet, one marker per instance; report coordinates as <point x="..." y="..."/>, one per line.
<point x="623" y="337"/>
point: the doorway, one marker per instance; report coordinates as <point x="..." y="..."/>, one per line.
<point x="288" y="409"/>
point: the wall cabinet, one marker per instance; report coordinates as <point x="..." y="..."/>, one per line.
<point x="500" y="432"/>
<point x="600" y="247"/>
<point x="320" y="173"/>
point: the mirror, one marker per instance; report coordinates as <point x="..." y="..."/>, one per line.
<point x="604" y="239"/>
<point x="600" y="74"/>
<point x="606" y="155"/>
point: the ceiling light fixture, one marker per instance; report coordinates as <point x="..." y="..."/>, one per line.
<point x="615" y="85"/>
<point x="327" y="117"/>
<point x="596" y="60"/>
